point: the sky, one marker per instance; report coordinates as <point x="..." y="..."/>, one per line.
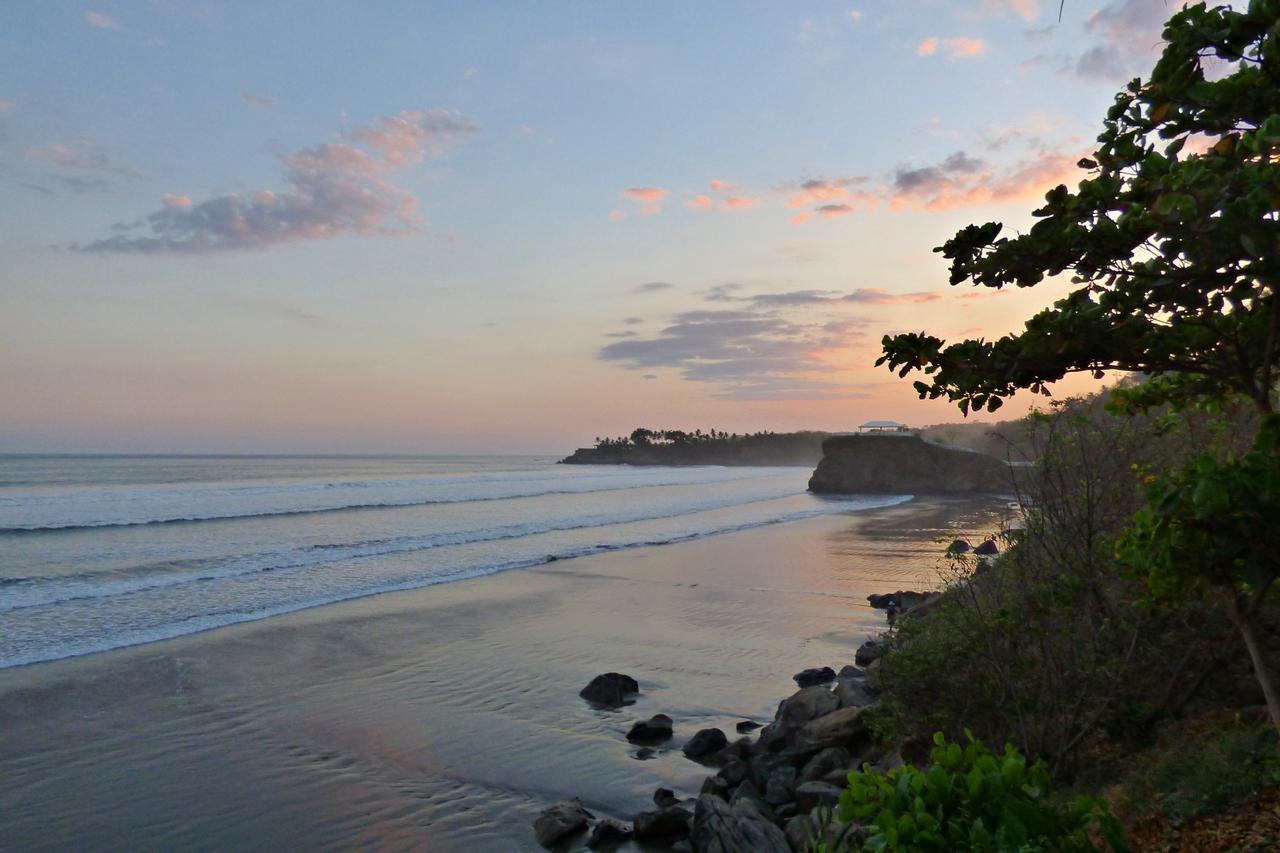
<point x="329" y="227"/>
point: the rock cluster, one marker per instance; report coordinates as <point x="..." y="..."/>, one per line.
<point x="767" y="794"/>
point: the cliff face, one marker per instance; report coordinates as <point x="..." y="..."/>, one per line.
<point x="896" y="463"/>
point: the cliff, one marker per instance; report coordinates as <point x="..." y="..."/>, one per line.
<point x="800" y="449"/>
<point x="904" y="463"/>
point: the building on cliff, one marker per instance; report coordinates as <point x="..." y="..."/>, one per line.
<point x="883" y="426"/>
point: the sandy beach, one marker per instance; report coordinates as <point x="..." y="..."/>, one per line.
<point x="445" y="718"/>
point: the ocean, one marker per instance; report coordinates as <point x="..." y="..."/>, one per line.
<point x="103" y="552"/>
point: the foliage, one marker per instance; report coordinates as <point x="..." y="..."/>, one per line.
<point x="642" y="437"/>
<point x="971" y="799"/>
<point x="1173" y="238"/>
<point x="1173" y="241"/>
<point x="1211" y="523"/>
<point x="1201" y="775"/>
<point x="1046" y="646"/>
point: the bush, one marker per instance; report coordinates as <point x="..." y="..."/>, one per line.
<point x="1055" y="642"/>
<point x="972" y="799"/>
<point x="1196" y="776"/>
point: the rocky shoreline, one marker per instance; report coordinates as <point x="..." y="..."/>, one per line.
<point x="775" y="792"/>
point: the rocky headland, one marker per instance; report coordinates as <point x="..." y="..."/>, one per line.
<point x="898" y="463"/>
<point x="671" y="447"/>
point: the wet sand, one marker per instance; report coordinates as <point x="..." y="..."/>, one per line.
<point x="446" y="718"/>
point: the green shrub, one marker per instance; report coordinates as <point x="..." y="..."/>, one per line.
<point x="1195" y="777"/>
<point x="970" y="798"/>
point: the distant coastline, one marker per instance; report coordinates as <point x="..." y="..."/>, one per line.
<point x="677" y="447"/>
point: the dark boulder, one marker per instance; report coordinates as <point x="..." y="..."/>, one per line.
<point x="611" y="690"/>
<point x="747" y="726"/>
<point x="959" y="546"/>
<point x="608" y="833"/>
<point x="804" y="705"/>
<point x="989" y="548"/>
<point x="810" y="795"/>
<point x="831" y="759"/>
<point x="721" y="828"/>
<point x="852" y="693"/>
<point x="868" y="651"/>
<point x="716" y="786"/>
<point x="733" y="773"/>
<point x="656" y="729"/>
<point x="903" y="599"/>
<point x="705" y="743"/>
<point x="664" y="797"/>
<point x="811" y="677"/>
<point x="846" y="727"/>
<point x="560" y="821"/>
<point x="781" y="783"/>
<point x="644" y="753"/>
<point x="670" y="822"/>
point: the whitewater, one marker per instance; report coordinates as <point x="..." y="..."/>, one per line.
<point x="102" y="552"/>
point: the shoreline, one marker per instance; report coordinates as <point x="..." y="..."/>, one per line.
<point x="448" y="715"/>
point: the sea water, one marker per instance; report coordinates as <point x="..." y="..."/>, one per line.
<point x="100" y="552"/>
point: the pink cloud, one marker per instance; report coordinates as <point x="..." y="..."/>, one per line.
<point x="821" y="190"/>
<point x="653" y="195"/>
<point x="957" y="181"/>
<point x="404" y="138"/>
<point x="956" y="47"/>
<point x="725" y="204"/>
<point x="936" y="188"/>
<point x="331" y="190"/>
<point x="856" y="16"/>
<point x="101" y="21"/>
<point x="650" y="198"/>
<point x="616" y="215"/>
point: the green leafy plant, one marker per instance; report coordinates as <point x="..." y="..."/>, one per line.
<point x="1211" y="527"/>
<point x="970" y="798"/>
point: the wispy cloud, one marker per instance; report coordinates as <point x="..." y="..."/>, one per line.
<point x="963" y="181"/>
<point x="1028" y="10"/>
<point x="653" y="287"/>
<point x="816" y="190"/>
<point x="860" y="296"/>
<point x="78" y="156"/>
<point x="956" y="47"/>
<point x="331" y="190"/>
<point x="749" y="354"/>
<point x="101" y="21"/>
<point x="265" y="102"/>
<point x="959" y="180"/>
<point x="650" y="199"/>
<point x="727" y="198"/>
<point x="1128" y="34"/>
